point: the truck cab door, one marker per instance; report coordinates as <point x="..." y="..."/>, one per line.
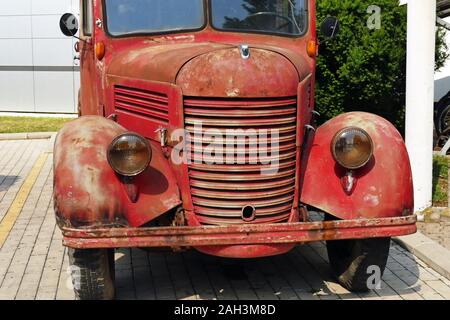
<point x="88" y="104"/>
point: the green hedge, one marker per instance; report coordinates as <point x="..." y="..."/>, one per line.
<point x="363" y="69"/>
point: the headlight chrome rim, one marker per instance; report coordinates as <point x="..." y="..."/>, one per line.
<point x="338" y="135"/>
<point x="140" y="169"/>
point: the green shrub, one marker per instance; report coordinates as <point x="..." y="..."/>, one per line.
<point x="440" y="181"/>
<point x="363" y="69"/>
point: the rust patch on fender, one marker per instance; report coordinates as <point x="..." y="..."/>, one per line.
<point x="224" y="73"/>
<point x="87" y="192"/>
<point x="146" y="61"/>
<point x="384" y="185"/>
<point x="82" y="187"/>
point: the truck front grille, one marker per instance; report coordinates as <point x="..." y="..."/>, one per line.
<point x="221" y="191"/>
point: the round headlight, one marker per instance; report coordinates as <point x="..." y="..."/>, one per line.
<point x="129" y="154"/>
<point x="352" y="148"/>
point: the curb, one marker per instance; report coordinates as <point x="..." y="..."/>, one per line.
<point x="427" y="250"/>
<point x="26" y="136"/>
<point x="434" y="214"/>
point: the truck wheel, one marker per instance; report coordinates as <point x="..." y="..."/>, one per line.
<point x="443" y="119"/>
<point x="441" y="114"/>
<point x="92" y="273"/>
<point x="354" y="261"/>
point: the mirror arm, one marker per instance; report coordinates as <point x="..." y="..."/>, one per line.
<point x="79" y="39"/>
<point x="85" y="41"/>
<point x="82" y="40"/>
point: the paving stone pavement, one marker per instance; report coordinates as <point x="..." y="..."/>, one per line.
<point x="439" y="231"/>
<point x="34" y="264"/>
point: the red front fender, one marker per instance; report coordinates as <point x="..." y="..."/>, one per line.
<point x="384" y="187"/>
<point x="88" y="193"/>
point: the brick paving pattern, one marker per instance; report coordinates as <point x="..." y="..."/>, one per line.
<point x="439" y="231"/>
<point x="34" y="264"/>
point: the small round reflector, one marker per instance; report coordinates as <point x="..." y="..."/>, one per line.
<point x="352" y="148"/>
<point x="311" y="48"/>
<point x="129" y="154"/>
<point x="100" y="50"/>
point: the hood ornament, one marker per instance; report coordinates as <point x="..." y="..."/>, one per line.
<point x="245" y="51"/>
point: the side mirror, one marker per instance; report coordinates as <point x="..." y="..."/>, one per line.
<point x="330" y="27"/>
<point x="68" y="24"/>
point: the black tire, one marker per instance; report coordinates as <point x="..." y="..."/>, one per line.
<point x="92" y="273"/>
<point x="350" y="260"/>
<point x="441" y="109"/>
<point x="443" y="119"/>
<point x="443" y="139"/>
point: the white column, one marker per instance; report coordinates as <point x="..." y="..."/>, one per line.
<point x="420" y="97"/>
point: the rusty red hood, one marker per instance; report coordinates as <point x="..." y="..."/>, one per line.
<point x="214" y="69"/>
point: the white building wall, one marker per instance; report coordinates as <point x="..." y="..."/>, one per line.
<point x="37" y="71"/>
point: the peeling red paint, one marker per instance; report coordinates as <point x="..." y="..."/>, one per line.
<point x="223" y="73"/>
<point x="247" y="236"/>
<point x="384" y="187"/>
<point x="87" y="191"/>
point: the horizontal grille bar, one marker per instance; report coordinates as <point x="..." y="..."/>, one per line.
<point x="252" y="123"/>
<point x="242" y="185"/>
<point x="238" y="168"/>
<point x="240" y="103"/>
<point x="224" y="221"/>
<point x="257" y="176"/>
<point x="239" y="113"/>
<point x="233" y="213"/>
<point x="223" y="194"/>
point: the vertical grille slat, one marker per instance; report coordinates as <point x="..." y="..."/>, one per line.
<point x="145" y="103"/>
<point x="220" y="191"/>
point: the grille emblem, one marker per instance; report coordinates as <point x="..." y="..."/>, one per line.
<point x="245" y="51"/>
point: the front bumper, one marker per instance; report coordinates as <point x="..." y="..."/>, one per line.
<point x="258" y="234"/>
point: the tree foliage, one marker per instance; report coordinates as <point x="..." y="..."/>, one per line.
<point x="364" y="69"/>
<point x="442" y="53"/>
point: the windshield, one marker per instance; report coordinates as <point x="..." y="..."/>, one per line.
<point x="153" y="16"/>
<point x="287" y="17"/>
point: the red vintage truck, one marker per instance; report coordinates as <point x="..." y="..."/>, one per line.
<point x="197" y="130"/>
